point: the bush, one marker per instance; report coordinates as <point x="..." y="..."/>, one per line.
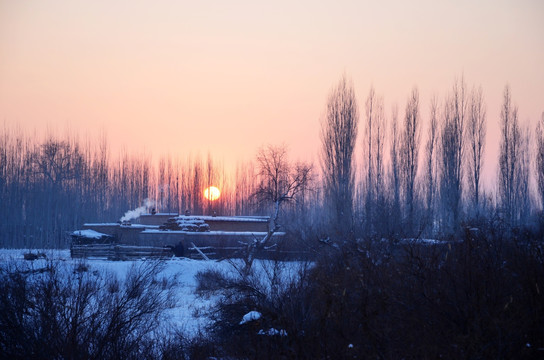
<point x="265" y="290"/>
<point x="478" y="298"/>
<point x="61" y="311"/>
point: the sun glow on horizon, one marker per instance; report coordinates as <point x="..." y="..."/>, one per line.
<point x="212" y="193"/>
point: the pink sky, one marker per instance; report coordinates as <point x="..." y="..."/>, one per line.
<point x="225" y="77"/>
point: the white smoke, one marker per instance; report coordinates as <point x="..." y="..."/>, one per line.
<point x="134" y="214"/>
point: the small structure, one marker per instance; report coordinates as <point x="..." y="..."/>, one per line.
<point x="91" y="243"/>
<point x="167" y="234"/>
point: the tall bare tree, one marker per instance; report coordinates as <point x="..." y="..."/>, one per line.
<point x="509" y="156"/>
<point x="245" y="188"/>
<point x="476" y="131"/>
<point x="452" y="150"/>
<point x="373" y="149"/>
<point x="430" y="159"/>
<point x="58" y="164"/>
<point x="369" y="121"/>
<point x="379" y="144"/>
<point x="395" y="175"/>
<point x="197" y="186"/>
<point x="522" y="198"/>
<point x="338" y="139"/>
<point x="411" y="136"/>
<point x="540" y="159"/>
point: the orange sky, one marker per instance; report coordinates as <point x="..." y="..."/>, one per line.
<point x="225" y="77"/>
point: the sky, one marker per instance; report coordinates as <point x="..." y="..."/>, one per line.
<point x="227" y="77"/>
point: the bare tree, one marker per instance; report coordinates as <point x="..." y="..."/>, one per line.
<point x="509" y="157"/>
<point x="379" y="142"/>
<point x="452" y="150"/>
<point x="338" y="139"/>
<point x="245" y="188"/>
<point x="395" y="175"/>
<point x="430" y="159"/>
<point x="210" y="181"/>
<point x="57" y="161"/>
<point x="540" y="159"/>
<point x="197" y="186"/>
<point x="58" y="164"/>
<point x="476" y="131"/>
<point x="370" y="119"/>
<point x="410" y="154"/>
<point x="100" y="174"/>
<point x="279" y="182"/>
<point x="373" y="153"/>
<point x="522" y="199"/>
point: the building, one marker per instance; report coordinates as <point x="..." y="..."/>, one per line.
<point x="167" y="234"/>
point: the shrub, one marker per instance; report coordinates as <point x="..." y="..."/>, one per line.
<point x="62" y="311"/>
<point x="479" y="297"/>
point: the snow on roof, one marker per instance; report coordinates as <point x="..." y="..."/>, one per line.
<point x="161" y="214"/>
<point x="226" y="218"/>
<point x="90" y="234"/>
<point x="101" y="224"/>
<point x="140" y="226"/>
<point x="192" y="224"/>
<point x="212" y="233"/>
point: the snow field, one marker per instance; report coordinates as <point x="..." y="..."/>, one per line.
<point x="188" y="313"/>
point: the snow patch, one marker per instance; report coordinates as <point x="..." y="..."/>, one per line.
<point x="421" y="241"/>
<point x="89" y="234"/>
<point x="192" y="224"/>
<point x="272" y="332"/>
<point x="189" y="312"/>
<point x="250" y="316"/>
<point x="212" y="233"/>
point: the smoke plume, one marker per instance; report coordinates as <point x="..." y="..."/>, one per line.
<point x="134" y="214"/>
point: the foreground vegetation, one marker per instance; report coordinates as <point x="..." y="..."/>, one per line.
<point x="478" y="297"/>
<point x="65" y="311"/>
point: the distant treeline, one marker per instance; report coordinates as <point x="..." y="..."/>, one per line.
<point x="55" y="185"/>
<point x="407" y="184"/>
<point x="423" y="177"/>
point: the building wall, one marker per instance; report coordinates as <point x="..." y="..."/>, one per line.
<point x="129" y="235"/>
<point x="223" y="225"/>
<point x="156" y="219"/>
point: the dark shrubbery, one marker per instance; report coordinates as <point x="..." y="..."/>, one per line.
<point x="271" y="290"/>
<point x="68" y="312"/>
<point x="478" y="298"/>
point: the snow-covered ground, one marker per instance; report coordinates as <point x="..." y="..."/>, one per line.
<point x="188" y="313"/>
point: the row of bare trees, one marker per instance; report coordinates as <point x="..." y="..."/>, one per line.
<point x="54" y="185"/>
<point x="426" y="186"/>
<point x="414" y="177"/>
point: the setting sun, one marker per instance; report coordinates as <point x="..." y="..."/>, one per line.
<point x="212" y="193"/>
